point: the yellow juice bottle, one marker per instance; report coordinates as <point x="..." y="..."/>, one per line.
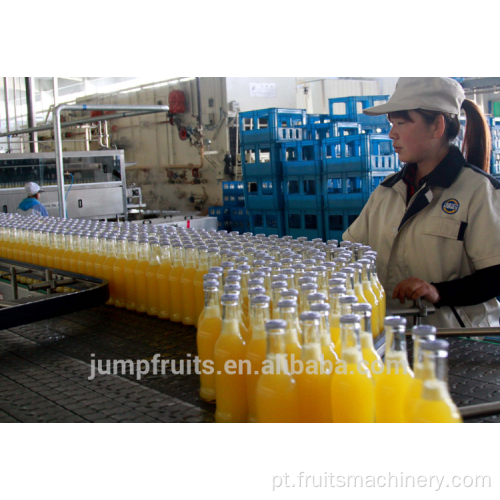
<point x="349" y="284"/>
<point x="107" y="268"/>
<point x="21" y="246"/>
<point x="277" y="288"/>
<point x="314" y="380"/>
<point x="77" y="250"/>
<point x="358" y="283"/>
<point x="174" y="279"/>
<point x="421" y="333"/>
<point x="187" y="286"/>
<point x="435" y="404"/>
<point x="287" y="309"/>
<point x="370" y="355"/>
<point x="45" y="247"/>
<point x="377" y="287"/>
<point x="335" y="293"/>
<point x="119" y="272"/>
<point x="230" y="383"/>
<point x="152" y="278"/>
<point x="277" y="396"/>
<point x="28" y="248"/>
<point x="93" y="254"/>
<point x="18" y="242"/>
<point x="346" y="302"/>
<point x="352" y="390"/>
<point x="130" y="284"/>
<point x="53" y="247"/>
<point x="84" y="253"/>
<point x="321" y="279"/>
<point x="371" y="296"/>
<point x="305" y="290"/>
<point x="208" y="333"/>
<point x="255" y="288"/>
<point x="37" y="247"/>
<point x="201" y="270"/>
<point x="393" y="383"/>
<point x="255" y="351"/>
<point x="103" y="253"/>
<point x="330" y="357"/>
<point x="68" y="250"/>
<point x="235" y="288"/>
<point x="163" y="280"/>
<point x="245" y="274"/>
<point x="12" y="240"/>
<point x="141" y="285"/>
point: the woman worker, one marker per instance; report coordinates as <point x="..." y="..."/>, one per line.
<point x="436" y="223"/>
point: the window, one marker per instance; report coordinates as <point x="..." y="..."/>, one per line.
<point x="247" y="124"/>
<point x="351" y="219"/>
<point x="252" y="188"/>
<point x="294" y="221"/>
<point x="339" y="108"/>
<point x="291" y="154"/>
<point x="296" y="122"/>
<point x="354" y="185"/>
<point x="249" y="155"/>
<point x="265" y="155"/>
<point x="263" y="123"/>
<point x="258" y="220"/>
<point x="310" y="187"/>
<point x="293" y="187"/>
<point x="335" y="223"/>
<point x="311" y="221"/>
<point x="334" y="186"/>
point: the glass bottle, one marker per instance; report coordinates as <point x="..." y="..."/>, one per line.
<point x="119" y="271"/>
<point x="132" y="261"/>
<point x="152" y="277"/>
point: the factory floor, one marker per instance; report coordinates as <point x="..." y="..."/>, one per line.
<point x="45" y="369"/>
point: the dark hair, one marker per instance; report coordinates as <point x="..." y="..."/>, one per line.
<point x="477" y="138"/>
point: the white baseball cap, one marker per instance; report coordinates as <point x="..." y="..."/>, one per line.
<point x="32" y="188"/>
<point x="435" y="93"/>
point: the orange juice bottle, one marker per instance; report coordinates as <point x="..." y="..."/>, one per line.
<point x="305" y="290"/>
<point x="29" y="243"/>
<point x="187" y="286"/>
<point x="93" y="254"/>
<point x="370" y="295"/>
<point x="370" y="355"/>
<point x="277" y="396"/>
<point x="235" y="288"/>
<point x="141" y="285"/>
<point x="230" y="384"/>
<point x="202" y="269"/>
<point x="435" y="405"/>
<point x="68" y="250"/>
<point x="345" y="303"/>
<point x="152" y="278"/>
<point x="421" y="333"/>
<point x="107" y="268"/>
<point x="174" y="279"/>
<point x="352" y="390"/>
<point x="245" y="274"/>
<point x="84" y="252"/>
<point x="119" y="272"/>
<point x="61" y="248"/>
<point x="132" y="261"/>
<point x="45" y="247"/>
<point x="18" y="243"/>
<point x="103" y="253"/>
<point x="226" y="267"/>
<point x="358" y="283"/>
<point x="255" y="288"/>
<point x="393" y="383"/>
<point x="330" y="357"/>
<point x="287" y="309"/>
<point x="163" y="281"/>
<point x="322" y="280"/>
<point x="35" y="251"/>
<point x="19" y="252"/>
<point x="209" y="329"/>
<point x="277" y="288"/>
<point x="314" y="379"/>
<point x="53" y="247"/>
<point x="349" y="284"/>
<point x="208" y="277"/>
<point x="377" y="286"/>
<point x="255" y="351"/>
<point x="77" y="250"/>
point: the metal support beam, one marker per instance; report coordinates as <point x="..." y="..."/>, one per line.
<point x="30" y="100"/>
<point x="7" y="116"/>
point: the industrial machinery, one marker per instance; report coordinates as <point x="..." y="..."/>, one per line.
<point x="95" y="183"/>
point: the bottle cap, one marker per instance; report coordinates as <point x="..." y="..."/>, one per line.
<point x="423" y="330"/>
<point x="210" y="284"/>
<point x="316" y="296"/>
<point x="348" y="299"/>
<point x="286" y="303"/>
<point x="279" y="284"/>
<point x="361" y="308"/>
<point x="260" y="299"/>
<point x="395" y="321"/>
<point x="350" y="319"/>
<point x="320" y="307"/>
<point x="276" y="324"/>
<point x="310" y="316"/>
<point x="435" y="345"/>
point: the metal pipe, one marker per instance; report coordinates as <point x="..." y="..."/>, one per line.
<point x="13" y="282"/>
<point x="480" y="410"/>
<point x="6" y="92"/>
<point x="198" y="96"/>
<point x="82" y="121"/>
<point x="30" y="100"/>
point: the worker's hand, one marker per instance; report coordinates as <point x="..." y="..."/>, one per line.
<point x="413" y="289"/>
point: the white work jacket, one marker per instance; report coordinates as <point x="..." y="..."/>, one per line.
<point x="450" y="229"/>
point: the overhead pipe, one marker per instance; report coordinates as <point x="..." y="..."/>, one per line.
<point x="7" y="116"/>
<point x="30" y="101"/>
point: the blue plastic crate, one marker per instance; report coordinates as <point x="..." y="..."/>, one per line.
<point x="232" y="187"/>
<point x="350" y="109"/>
<point x="321" y="127"/>
<point x="307" y="223"/>
<point x="364" y="152"/>
<point x="270" y="125"/>
<point x="267" y="222"/>
<point x="302" y="157"/>
<point x="337" y="221"/>
<point x="303" y="192"/>
<point x="218" y="211"/>
<point x="261" y="159"/>
<point x="263" y="193"/>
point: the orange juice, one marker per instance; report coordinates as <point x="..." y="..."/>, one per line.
<point x="314" y="381"/>
<point x="130" y="285"/>
<point x="202" y="269"/>
<point x="107" y="268"/>
<point x="230" y="384"/>
<point x="103" y="253"/>
<point x="435" y="404"/>
<point x="53" y="247"/>
<point x="371" y="296"/>
<point x="335" y="294"/>
<point x="93" y="255"/>
<point x="119" y="272"/>
<point x="277" y="396"/>
<point x="377" y="286"/>
<point x="141" y="286"/>
<point x="152" y="280"/>
<point x="60" y="250"/>
<point x="207" y="335"/>
<point x="84" y="253"/>
<point x="162" y="277"/>
<point x="73" y="260"/>
<point x="44" y="248"/>
<point x="277" y="287"/>
<point x="393" y="383"/>
<point x="255" y="351"/>
<point x="174" y="281"/>
<point x="28" y="249"/>
<point x="187" y="286"/>
<point x="352" y="390"/>
<point x="330" y="357"/>
<point x="17" y="244"/>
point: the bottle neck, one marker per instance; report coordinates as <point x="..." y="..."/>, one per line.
<point x="190" y="259"/>
<point x="154" y="254"/>
<point x="258" y="318"/>
<point x="349" y="337"/>
<point x="203" y="261"/>
<point x="276" y="351"/>
<point x="435" y="376"/>
<point x="212" y="304"/>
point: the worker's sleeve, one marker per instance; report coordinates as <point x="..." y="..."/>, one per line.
<point x="482" y="232"/>
<point x="358" y="230"/>
<point x="475" y="289"/>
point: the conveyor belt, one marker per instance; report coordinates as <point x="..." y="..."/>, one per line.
<point x="44" y="370"/>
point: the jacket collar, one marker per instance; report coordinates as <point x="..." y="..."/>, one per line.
<point x="444" y="175"/>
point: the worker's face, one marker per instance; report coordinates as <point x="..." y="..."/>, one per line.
<point x="413" y="141"/>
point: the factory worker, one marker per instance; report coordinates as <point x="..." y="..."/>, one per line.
<point x="436" y="223"/>
<point x="31" y="205"/>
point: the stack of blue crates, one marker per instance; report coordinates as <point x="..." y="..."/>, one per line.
<point x="232" y="216"/>
<point x="311" y="175"/>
